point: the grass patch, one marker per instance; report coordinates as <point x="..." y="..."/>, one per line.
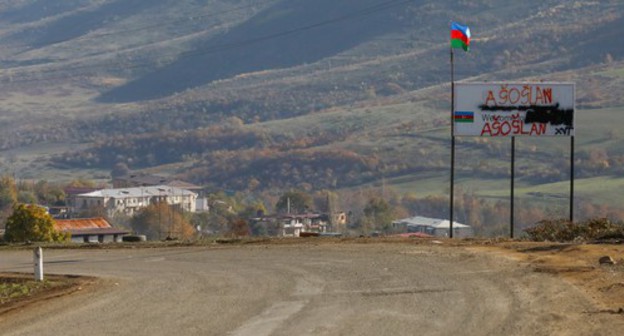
<point x="601" y="190"/>
<point x="594" y="131"/>
<point x="17" y="288"/>
<point x="354" y="119"/>
<point x="20" y="289"/>
<point x="614" y="72"/>
<point x="554" y="196"/>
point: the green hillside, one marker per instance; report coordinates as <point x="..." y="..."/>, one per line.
<point x="262" y="96"/>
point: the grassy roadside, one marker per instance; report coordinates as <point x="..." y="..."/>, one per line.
<point x="15" y="288"/>
<point x="19" y="289"/>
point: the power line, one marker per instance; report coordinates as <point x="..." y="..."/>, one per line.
<point x="361" y="13"/>
<point x="233" y="45"/>
<point x="160" y="25"/>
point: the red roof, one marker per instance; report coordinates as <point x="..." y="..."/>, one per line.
<point x="413" y="235"/>
<point x="86" y="226"/>
<point x="82" y="223"/>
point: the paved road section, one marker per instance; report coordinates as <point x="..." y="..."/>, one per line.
<point x="326" y="289"/>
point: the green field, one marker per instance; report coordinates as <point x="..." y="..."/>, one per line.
<point x="595" y="131"/>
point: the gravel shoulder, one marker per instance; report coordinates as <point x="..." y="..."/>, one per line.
<point x="577" y="264"/>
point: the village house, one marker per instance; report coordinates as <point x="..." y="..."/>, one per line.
<point x="135" y="180"/>
<point x="90" y="230"/>
<point x="128" y="201"/>
<point x="290" y="225"/>
<point x="70" y="197"/>
<point x="432" y="226"/>
<point x="339" y="222"/>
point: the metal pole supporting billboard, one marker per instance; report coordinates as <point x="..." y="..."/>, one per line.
<point x="452" y="191"/>
<point x="572" y="179"/>
<point x="513" y="178"/>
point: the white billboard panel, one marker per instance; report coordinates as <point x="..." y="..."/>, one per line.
<point x="514" y="109"/>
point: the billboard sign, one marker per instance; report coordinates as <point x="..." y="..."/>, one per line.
<point x="514" y="109"/>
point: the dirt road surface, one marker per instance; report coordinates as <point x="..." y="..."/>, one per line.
<point x="310" y="289"/>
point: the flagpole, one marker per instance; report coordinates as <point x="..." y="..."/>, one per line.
<point x="452" y="193"/>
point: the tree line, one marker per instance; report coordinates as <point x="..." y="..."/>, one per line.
<point x="368" y="210"/>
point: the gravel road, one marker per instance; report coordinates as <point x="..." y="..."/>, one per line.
<point x="325" y="289"/>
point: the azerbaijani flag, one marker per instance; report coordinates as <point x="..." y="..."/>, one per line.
<point x="460" y="36"/>
<point x="464" y="116"/>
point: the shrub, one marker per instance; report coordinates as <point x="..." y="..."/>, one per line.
<point x="561" y="230"/>
<point x="31" y="223"/>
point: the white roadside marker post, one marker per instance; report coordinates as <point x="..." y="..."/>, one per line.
<point x="38" y="258"/>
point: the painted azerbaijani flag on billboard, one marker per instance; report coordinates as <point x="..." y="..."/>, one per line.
<point x="464" y="116"/>
<point x="460" y="36"/>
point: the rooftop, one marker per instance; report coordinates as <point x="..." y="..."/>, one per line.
<point x="432" y="222"/>
<point x="160" y="190"/>
<point x="87" y="226"/>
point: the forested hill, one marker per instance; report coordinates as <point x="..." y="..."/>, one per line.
<point x="286" y="34"/>
<point x="261" y="94"/>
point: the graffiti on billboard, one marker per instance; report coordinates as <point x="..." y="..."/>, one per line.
<point x="490" y="109"/>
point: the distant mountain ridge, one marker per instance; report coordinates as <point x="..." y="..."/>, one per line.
<point x="333" y="92"/>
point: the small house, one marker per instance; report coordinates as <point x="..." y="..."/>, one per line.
<point x="90" y="230"/>
<point x="290" y="225"/>
<point x="433" y="226"/>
